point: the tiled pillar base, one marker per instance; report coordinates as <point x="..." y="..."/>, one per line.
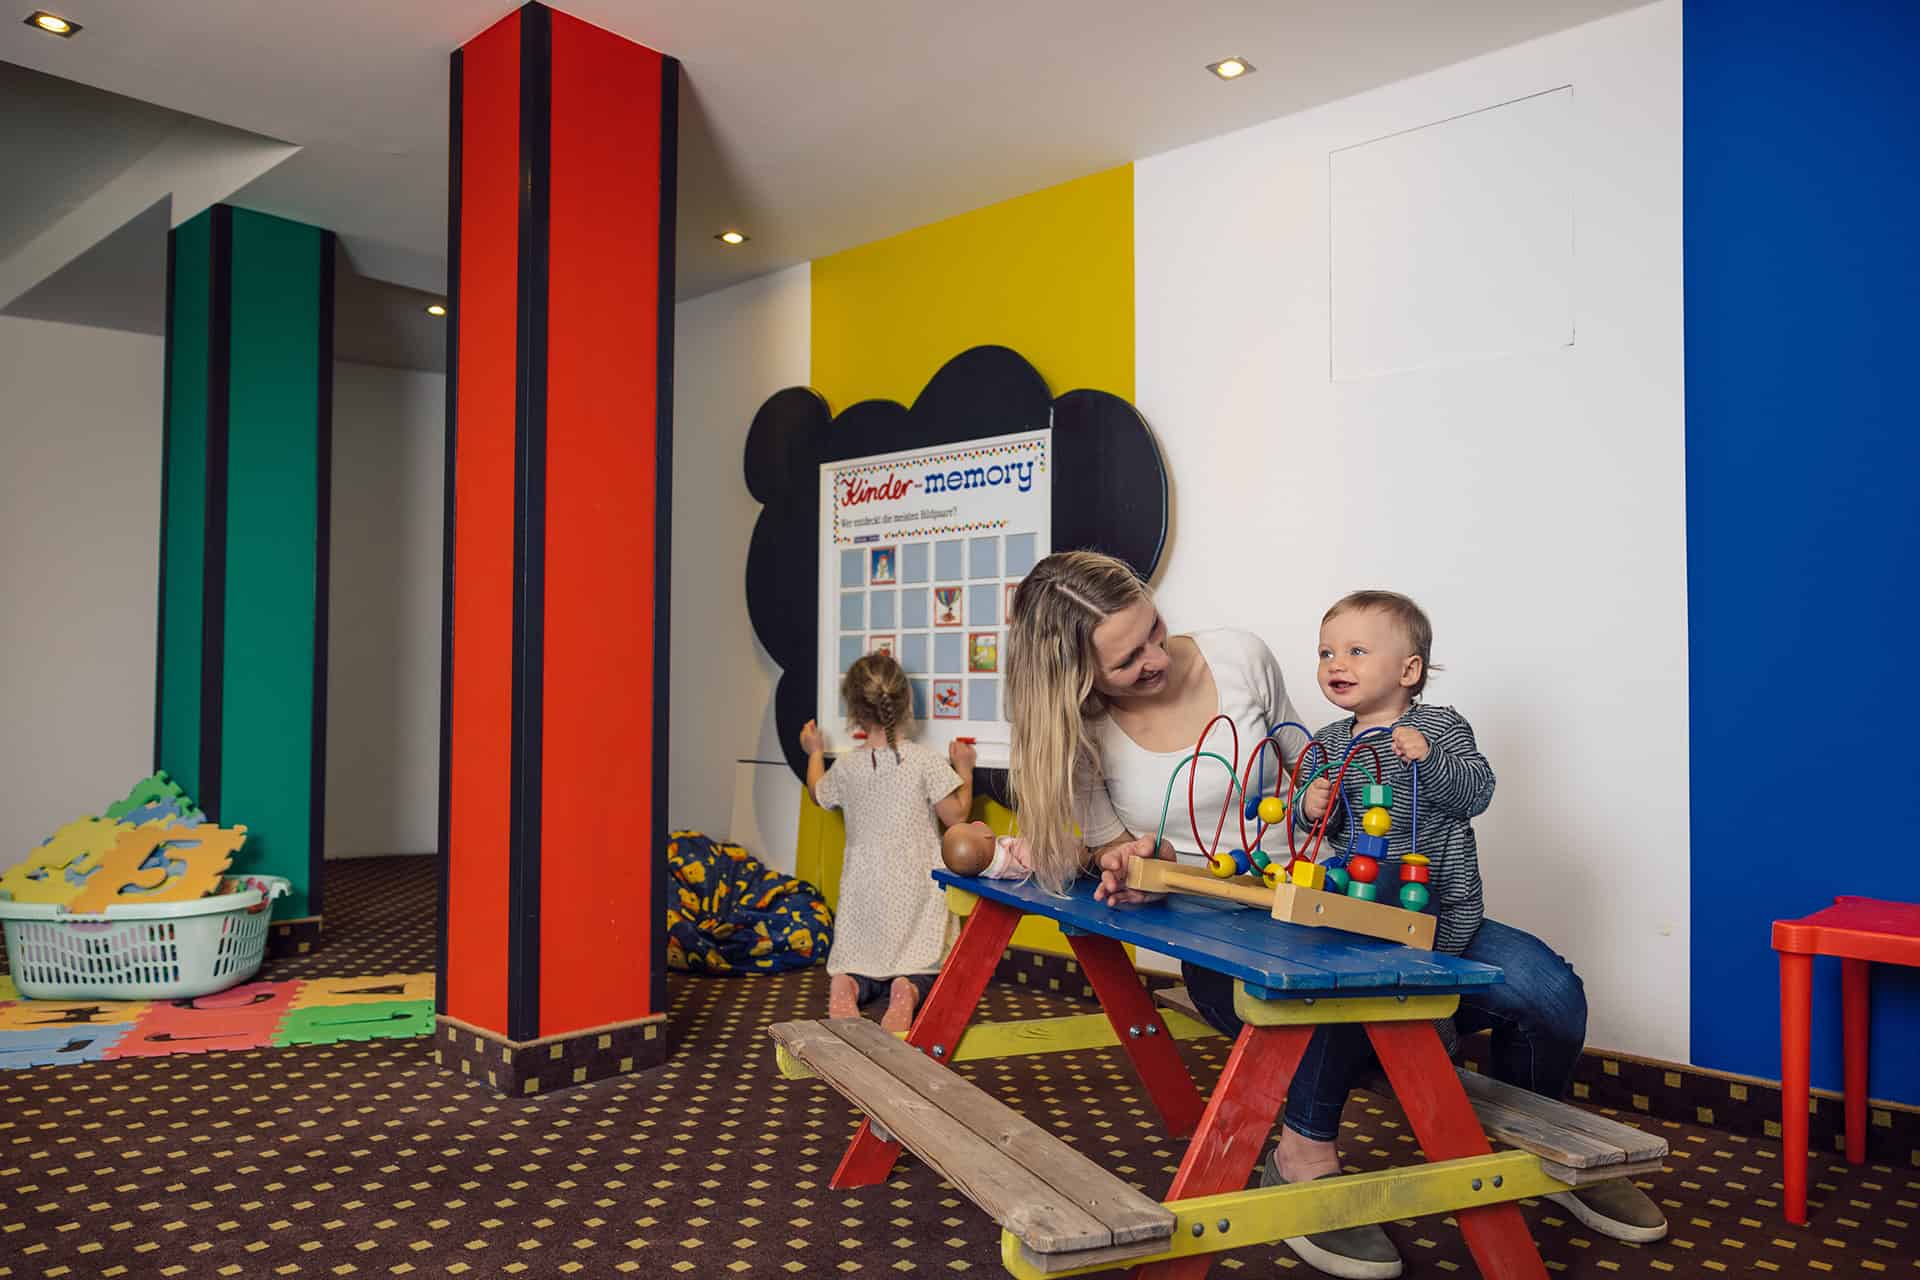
<point x="520" y="1068"/>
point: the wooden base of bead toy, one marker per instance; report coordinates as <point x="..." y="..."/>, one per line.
<point x="1289" y="902"/>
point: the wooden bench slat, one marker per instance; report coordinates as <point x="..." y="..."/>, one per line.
<point x="1050" y="1196"/>
<point x="1635" y="1145"/>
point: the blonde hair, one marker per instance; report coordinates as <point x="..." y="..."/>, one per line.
<point x="1050" y="696"/>
<point x="877" y="696"/>
<point x="1405" y="614"/>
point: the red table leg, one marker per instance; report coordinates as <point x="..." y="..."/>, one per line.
<point x="1443" y="1120"/>
<point x="1116" y="984"/>
<point x="955" y="995"/>
<point x="1234" y="1128"/>
<point x="1853" y="1008"/>
<point x="1796" y="1017"/>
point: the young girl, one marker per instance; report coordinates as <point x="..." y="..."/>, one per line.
<point x="891" y="929"/>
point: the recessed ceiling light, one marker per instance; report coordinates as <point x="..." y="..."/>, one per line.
<point x="435" y="309"/>
<point x="731" y="237"/>
<point x="1230" y="68"/>
<point x="51" y="23"/>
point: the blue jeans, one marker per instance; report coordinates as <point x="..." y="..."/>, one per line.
<point x="1538" y="1017"/>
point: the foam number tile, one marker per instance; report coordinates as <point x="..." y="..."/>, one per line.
<point x="122" y="875"/>
<point x="242" y="1017"/>
<point x="42" y="877"/>
<point x="58" y="1046"/>
<point x="383" y="1020"/>
<point x="41" y="1015"/>
<point x="322" y="992"/>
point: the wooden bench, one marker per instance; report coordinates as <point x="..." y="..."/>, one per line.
<point x="1574" y="1146"/>
<point x="1055" y="1200"/>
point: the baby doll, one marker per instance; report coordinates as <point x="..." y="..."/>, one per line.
<point x="971" y="849"/>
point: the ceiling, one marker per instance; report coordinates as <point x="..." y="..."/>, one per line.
<point x="813" y="127"/>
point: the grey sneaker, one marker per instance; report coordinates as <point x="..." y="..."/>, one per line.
<point x="1357" y="1253"/>
<point x="1615" y="1208"/>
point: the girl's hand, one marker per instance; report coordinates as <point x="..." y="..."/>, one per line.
<point x="1113" y="862"/>
<point x="961" y="755"/>
<point x="810" y="740"/>
<point x="1319" y="796"/>
<point x="1410" y="744"/>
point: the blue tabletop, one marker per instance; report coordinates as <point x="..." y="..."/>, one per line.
<point x="1273" y="958"/>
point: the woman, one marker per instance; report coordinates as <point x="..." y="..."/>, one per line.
<point x="1104" y="705"/>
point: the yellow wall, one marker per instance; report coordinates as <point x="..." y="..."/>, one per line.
<point x="1049" y="275"/>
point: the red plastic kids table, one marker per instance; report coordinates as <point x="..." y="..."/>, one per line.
<point x="1860" y="931"/>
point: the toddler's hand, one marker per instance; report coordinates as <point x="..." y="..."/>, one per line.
<point x="810" y="739"/>
<point x="1319" y="796"/>
<point x="1410" y="744"/>
<point x="1113" y="873"/>
<point x="962" y="755"/>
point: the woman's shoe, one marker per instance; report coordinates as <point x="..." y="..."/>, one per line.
<point x="1356" y="1253"/>
<point x="1615" y="1208"/>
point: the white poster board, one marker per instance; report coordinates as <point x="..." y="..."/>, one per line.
<point x="920" y="553"/>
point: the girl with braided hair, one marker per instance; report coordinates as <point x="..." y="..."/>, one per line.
<point x="891" y="932"/>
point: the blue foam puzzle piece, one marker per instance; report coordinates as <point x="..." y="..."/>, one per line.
<point x="58" y="1046"/>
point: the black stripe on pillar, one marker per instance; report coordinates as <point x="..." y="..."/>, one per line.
<point x="166" y="452"/>
<point x="322" y="578"/>
<point x="529" y="524"/>
<point x="663" y="519"/>
<point x="213" y="605"/>
<point x="446" y="521"/>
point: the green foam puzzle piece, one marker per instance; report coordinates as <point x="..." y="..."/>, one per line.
<point x="150" y="790"/>
<point x="376" y="1020"/>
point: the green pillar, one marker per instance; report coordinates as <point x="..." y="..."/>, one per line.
<point x="242" y="688"/>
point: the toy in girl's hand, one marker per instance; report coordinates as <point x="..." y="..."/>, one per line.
<point x="971" y="849"/>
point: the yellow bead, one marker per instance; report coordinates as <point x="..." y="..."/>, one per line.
<point x="1376" y="821"/>
<point x="1221" y="864"/>
<point x="1272" y="810"/>
<point x="1309" y="875"/>
<point x="1273" y="875"/>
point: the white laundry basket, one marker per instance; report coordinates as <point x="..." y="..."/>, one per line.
<point x="145" y="951"/>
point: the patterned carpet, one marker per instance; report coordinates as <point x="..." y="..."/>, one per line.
<point x="363" y="1159"/>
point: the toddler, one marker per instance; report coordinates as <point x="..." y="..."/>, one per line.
<point x="890" y="933"/>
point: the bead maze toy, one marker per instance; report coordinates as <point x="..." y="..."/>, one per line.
<point x="1305" y="891"/>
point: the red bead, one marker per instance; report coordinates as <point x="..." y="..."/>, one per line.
<point x="1412" y="874"/>
<point x="1362" y="868"/>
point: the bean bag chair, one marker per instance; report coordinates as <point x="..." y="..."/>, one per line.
<point x="727" y="914"/>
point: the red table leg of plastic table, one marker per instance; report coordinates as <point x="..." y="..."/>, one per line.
<point x="1854" y="975"/>
<point x="1116" y="984"/>
<point x="1796" y="1018"/>
<point x="1442" y="1118"/>
<point x="1233" y="1130"/>
<point x="949" y="1007"/>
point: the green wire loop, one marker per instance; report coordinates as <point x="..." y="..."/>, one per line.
<point x="1233" y="775"/>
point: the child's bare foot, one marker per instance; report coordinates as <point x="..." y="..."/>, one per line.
<point x="843" y="997"/>
<point x="901" y="1000"/>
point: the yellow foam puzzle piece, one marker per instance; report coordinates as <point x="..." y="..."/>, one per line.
<point x="39" y="1015"/>
<point x="116" y="876"/>
<point x="41" y="876"/>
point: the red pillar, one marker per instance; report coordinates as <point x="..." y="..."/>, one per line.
<point x="554" y="682"/>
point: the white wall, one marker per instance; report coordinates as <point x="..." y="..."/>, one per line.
<point x="1532" y="501"/>
<point x="383" y="628"/>
<point x="732" y="349"/>
<point x="80" y="428"/>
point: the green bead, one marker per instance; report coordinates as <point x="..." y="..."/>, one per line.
<point x="1413" y="896"/>
<point x="1377" y="794"/>
<point x="1337" y="880"/>
<point x="1364" y="891"/>
<point x="1259" y="856"/>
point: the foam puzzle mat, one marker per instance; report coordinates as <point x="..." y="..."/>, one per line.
<point x="253" y="1015"/>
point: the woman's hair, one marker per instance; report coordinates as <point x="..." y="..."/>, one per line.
<point x="1050" y="696"/>
<point x="877" y="696"/>
<point x="1404" y="613"/>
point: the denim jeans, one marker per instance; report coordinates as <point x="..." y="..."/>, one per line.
<point x="1538" y="1017"/>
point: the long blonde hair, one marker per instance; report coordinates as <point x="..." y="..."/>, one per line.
<point x="1050" y="695"/>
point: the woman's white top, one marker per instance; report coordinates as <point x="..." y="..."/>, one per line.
<point x="1128" y="798"/>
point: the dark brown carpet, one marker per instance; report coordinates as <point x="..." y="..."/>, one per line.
<point x="363" y="1159"/>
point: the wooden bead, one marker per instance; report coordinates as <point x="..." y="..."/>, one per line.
<point x="1272" y="810"/>
<point x="1221" y="864"/>
<point x="1376" y="821"/>
<point x="1412" y="873"/>
<point x="1413" y="896"/>
<point x="1372" y="846"/>
<point x="1337" y="880"/>
<point x="1362" y="869"/>
<point x="1364" y="890"/>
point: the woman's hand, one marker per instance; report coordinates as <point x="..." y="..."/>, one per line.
<point x="1319" y="796"/>
<point x="810" y="740"/>
<point x="1411" y="744"/>
<point x="1112" y="861"/>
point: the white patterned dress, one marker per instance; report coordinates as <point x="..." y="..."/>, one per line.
<point x="892" y="918"/>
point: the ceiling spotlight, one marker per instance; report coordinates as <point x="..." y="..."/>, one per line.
<point x="1230" y="68"/>
<point x="52" y="23"/>
<point x="435" y="309"/>
<point x="731" y="237"/>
